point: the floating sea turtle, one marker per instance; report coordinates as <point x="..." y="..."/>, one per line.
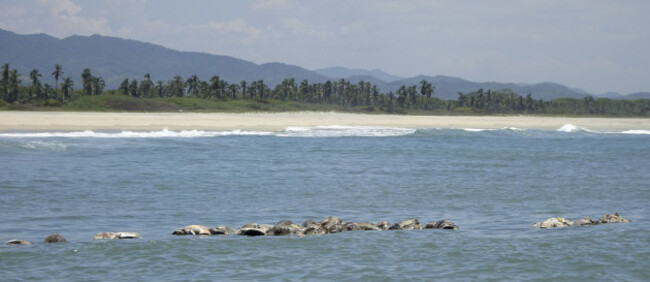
<point x="116" y="235"/>
<point x="54" y="238"/>
<point x="16" y="242"/>
<point x="194" y="229"/>
<point x="441" y="224"/>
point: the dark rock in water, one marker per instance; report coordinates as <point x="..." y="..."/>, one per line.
<point x="366" y="226"/>
<point x="586" y="221"/>
<point x="221" y="230"/>
<point x="332" y="224"/>
<point x="441" y="224"/>
<point x="553" y="222"/>
<point x="384" y="225"/>
<point x="54" y="238"/>
<point x="253" y="229"/>
<point x="192" y="230"/>
<point x="613" y="218"/>
<point x="116" y="235"/>
<point x="351" y="226"/>
<point x="16" y="242"/>
<point x="408" y="224"/>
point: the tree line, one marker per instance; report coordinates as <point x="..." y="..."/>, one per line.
<point x="13" y="90"/>
<point x="347" y="96"/>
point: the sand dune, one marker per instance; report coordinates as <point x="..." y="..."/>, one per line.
<point x="51" y="121"/>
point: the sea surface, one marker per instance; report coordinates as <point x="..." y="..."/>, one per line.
<point x="493" y="184"/>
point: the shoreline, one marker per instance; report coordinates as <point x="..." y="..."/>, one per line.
<point x="73" y="121"/>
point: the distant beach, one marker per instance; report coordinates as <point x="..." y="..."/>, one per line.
<point x="68" y="121"/>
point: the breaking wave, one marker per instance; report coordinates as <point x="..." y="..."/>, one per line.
<point x="345" y="131"/>
<point x="570" y="128"/>
<point x="165" y="133"/>
<point x="493" y="129"/>
<point x="314" y="132"/>
<point x="645" y="132"/>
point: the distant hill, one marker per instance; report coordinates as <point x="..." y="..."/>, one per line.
<point x="609" y="95"/>
<point x="638" y="95"/>
<point x="115" y="59"/>
<point x="341" y="72"/>
<point x="448" y="87"/>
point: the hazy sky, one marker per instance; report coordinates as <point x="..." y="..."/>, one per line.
<point x="596" y="45"/>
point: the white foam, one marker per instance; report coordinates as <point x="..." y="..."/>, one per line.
<point x="43" y="145"/>
<point x="643" y="132"/>
<point x="317" y="131"/>
<point x="492" y="129"/>
<point x="477" y="129"/>
<point x="572" y="128"/>
<point x="514" y="128"/>
<point x="165" y="133"/>
<point x="344" y="131"/>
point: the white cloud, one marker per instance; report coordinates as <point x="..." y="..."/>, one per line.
<point x="265" y="5"/>
<point x="238" y="28"/>
<point x="58" y="18"/>
<point x="65" y="8"/>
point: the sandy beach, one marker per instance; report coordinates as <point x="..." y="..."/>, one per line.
<point x="70" y="121"/>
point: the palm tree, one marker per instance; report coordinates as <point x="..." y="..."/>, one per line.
<point x="146" y="86"/>
<point x="262" y="89"/>
<point x="13" y="82"/>
<point x="401" y="96"/>
<point x="193" y="85"/>
<point x="133" y="88"/>
<point x="413" y="94"/>
<point x="87" y="80"/>
<point x="426" y="89"/>
<point x="4" y="81"/>
<point x="98" y="85"/>
<point x="66" y="87"/>
<point x="214" y="85"/>
<point x="124" y="86"/>
<point x="178" y="86"/>
<point x="242" y="85"/>
<point x="58" y="72"/>
<point x="159" y="88"/>
<point x="36" y="84"/>
<point x="233" y="88"/>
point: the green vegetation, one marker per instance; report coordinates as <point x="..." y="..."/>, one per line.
<point x="217" y="95"/>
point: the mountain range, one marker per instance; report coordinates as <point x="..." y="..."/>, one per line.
<point x="115" y="59"/>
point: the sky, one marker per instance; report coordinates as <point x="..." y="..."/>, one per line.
<point x="594" y="45"/>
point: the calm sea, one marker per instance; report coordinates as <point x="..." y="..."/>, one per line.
<point x="492" y="183"/>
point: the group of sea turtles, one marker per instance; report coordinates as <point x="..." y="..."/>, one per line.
<point x="585" y="221"/>
<point x="325" y="226"/>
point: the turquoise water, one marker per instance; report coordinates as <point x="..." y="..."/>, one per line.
<point x="492" y="183"/>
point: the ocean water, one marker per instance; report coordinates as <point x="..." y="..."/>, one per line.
<point x="492" y="183"/>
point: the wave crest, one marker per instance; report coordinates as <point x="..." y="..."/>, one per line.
<point x="165" y="133"/>
<point x="345" y="131"/>
<point x="315" y="132"/>
<point x="572" y="128"/>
